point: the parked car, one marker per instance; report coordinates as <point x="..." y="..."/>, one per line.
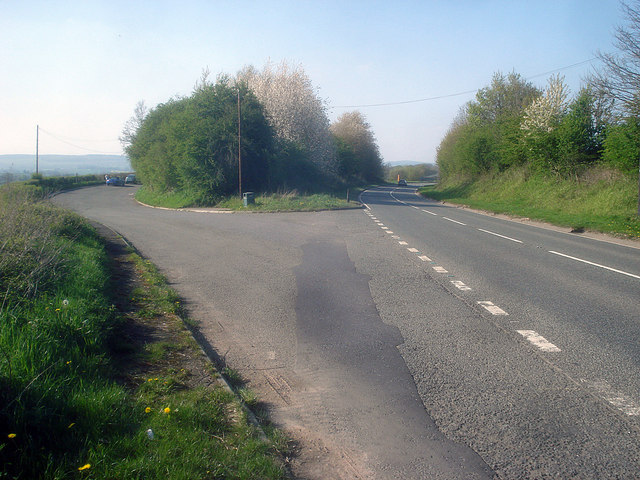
<point x="117" y="181"/>
<point x="130" y="179"/>
<point x="402" y="182"/>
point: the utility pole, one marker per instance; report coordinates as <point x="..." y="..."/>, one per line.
<point x="37" y="139"/>
<point x="239" y="150"/>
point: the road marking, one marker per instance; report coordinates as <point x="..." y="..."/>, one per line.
<point x="501" y="236"/>
<point x="384" y="228"/>
<point x="403" y="243"/>
<point x="595" y="264"/>
<point x="440" y="270"/>
<point x="460" y="286"/>
<point x="491" y="308"/>
<point x="389" y="231"/>
<point x="424" y="258"/>
<point x="413" y="206"/>
<point x="397" y="237"/>
<point x="618" y="400"/>
<point x="413" y="250"/>
<point x="454" y="221"/>
<point x="539" y="341"/>
<point x="430" y="213"/>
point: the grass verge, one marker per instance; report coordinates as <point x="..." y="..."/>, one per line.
<point x="600" y="200"/>
<point x="276" y="202"/>
<point x="99" y="378"/>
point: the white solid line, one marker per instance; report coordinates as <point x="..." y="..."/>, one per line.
<point x="424" y="258"/>
<point x="454" y="221"/>
<point x="413" y="250"/>
<point x="440" y="270"/>
<point x="539" y="341"/>
<point x="460" y="286"/>
<point x="501" y="236"/>
<point x="491" y="308"/>
<point x="430" y="213"/>
<point x="595" y="264"/>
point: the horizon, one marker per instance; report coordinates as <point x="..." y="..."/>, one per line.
<point x="418" y="61"/>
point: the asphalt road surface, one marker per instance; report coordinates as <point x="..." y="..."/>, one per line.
<point x="411" y="339"/>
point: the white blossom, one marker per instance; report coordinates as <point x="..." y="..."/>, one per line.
<point x="293" y="108"/>
<point x="546" y="111"/>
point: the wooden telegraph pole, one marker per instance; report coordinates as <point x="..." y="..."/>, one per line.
<point x="239" y="150"/>
<point x="37" y="135"/>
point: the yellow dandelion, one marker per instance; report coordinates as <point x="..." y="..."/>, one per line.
<point x="85" y="467"/>
<point x="167" y="410"/>
<point x="147" y="410"/>
<point x="12" y="435"/>
<point x="57" y="309"/>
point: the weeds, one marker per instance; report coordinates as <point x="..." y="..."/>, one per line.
<point x="599" y="200"/>
<point x="86" y="391"/>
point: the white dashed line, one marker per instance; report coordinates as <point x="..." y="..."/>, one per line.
<point x="460" y="286"/>
<point x="595" y="264"/>
<point x="413" y="250"/>
<point x="389" y="231"/>
<point x="440" y="269"/>
<point x="430" y="213"/>
<point x="501" y="236"/>
<point x="491" y="308"/>
<point x="618" y="400"/>
<point x="424" y="258"/>
<point x="539" y="341"/>
<point x="397" y="237"/>
<point x="403" y="243"/>
<point x="454" y="221"/>
<point x="384" y="228"/>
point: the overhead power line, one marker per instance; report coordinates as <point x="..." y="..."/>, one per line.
<point x="61" y="138"/>
<point x="466" y="92"/>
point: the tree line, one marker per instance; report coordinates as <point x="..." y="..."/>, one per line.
<point x="513" y="123"/>
<point x="190" y="144"/>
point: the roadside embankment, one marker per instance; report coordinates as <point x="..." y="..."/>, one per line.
<point x="599" y="200"/>
<point x="98" y="375"/>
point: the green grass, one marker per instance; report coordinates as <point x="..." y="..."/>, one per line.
<point x="600" y="200"/>
<point x="166" y="200"/>
<point x="276" y="202"/>
<point x="77" y="395"/>
<point x="289" y="202"/>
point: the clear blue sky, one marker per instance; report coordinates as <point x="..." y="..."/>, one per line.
<point x="78" y="68"/>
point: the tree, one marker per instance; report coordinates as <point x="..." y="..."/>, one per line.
<point x="620" y="76"/>
<point x="545" y="112"/>
<point x="505" y="97"/>
<point x="190" y="145"/>
<point x="358" y="154"/>
<point x="132" y="125"/>
<point x="294" y="110"/>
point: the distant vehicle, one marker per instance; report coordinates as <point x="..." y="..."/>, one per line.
<point x="402" y="182"/>
<point x="117" y="181"/>
<point x="130" y="179"/>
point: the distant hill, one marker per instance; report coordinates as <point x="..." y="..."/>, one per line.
<point x="64" y="164"/>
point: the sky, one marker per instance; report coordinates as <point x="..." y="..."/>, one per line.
<point x="77" y="69"/>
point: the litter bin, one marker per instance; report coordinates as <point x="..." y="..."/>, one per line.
<point x="248" y="198"/>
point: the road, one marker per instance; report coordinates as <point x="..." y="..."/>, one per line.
<point x="412" y="339"/>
